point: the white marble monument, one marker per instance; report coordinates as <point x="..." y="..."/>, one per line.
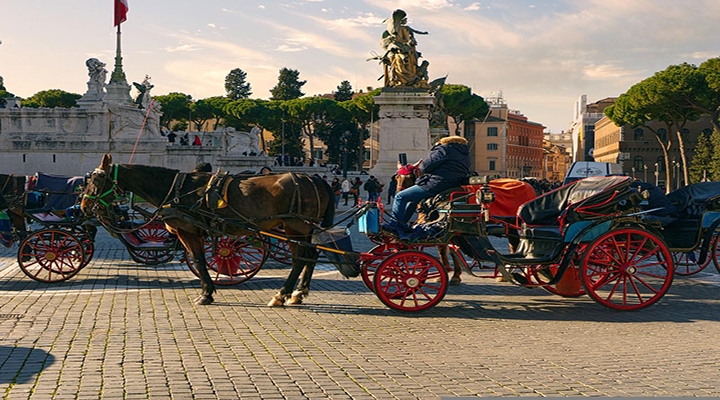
<point x="404" y="127"/>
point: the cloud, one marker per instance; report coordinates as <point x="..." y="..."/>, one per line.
<point x="290" y="48"/>
<point x="472" y="7"/>
<point x="228" y="49"/>
<point x="609" y="71"/>
<point x="211" y="25"/>
<point x="183" y="47"/>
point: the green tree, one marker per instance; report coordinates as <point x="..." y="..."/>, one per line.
<point x="175" y="106"/>
<point x="217" y="105"/>
<point x="657" y="98"/>
<point x="460" y="104"/>
<point x="344" y="92"/>
<point x="706" y="94"/>
<point x="715" y="159"/>
<point x="289" y="85"/>
<point x="701" y="160"/>
<point x="200" y="112"/>
<point x="236" y="86"/>
<point x="362" y="111"/>
<point x="51" y="98"/>
<point x="309" y="113"/>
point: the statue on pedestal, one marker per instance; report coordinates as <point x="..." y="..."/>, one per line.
<point x="400" y="60"/>
<point x="143" y="97"/>
<point x="98" y="74"/>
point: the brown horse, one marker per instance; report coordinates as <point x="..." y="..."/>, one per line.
<point x="12" y="188"/>
<point x="194" y="204"/>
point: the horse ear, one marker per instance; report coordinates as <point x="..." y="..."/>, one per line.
<point x="106" y="161"/>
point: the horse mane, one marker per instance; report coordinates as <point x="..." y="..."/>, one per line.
<point x="329" y="215"/>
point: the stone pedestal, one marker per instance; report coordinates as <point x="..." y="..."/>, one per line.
<point x="118" y="92"/>
<point x="404" y="128"/>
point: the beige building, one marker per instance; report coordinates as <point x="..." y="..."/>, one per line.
<point x="640" y="153"/>
<point x="556" y="161"/>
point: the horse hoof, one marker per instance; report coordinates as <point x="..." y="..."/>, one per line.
<point x="454" y="282"/>
<point x="275" y="303"/>
<point x="500" y="279"/>
<point x="294" y="301"/>
<point x="204" y="300"/>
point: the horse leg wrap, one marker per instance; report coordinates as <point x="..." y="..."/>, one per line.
<point x="278" y="300"/>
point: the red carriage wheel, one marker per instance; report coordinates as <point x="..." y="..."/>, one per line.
<point x="232" y="259"/>
<point x="152" y="256"/>
<point x="153" y="232"/>
<point x="154" y="246"/>
<point x="279" y="250"/>
<point x="686" y="264"/>
<point x="86" y="235"/>
<point x="411" y="280"/>
<point x="51" y="255"/>
<point x="714" y="251"/>
<point x="627" y="269"/>
<point x="376" y="255"/>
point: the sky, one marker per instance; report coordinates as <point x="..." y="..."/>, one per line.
<point x="540" y="55"/>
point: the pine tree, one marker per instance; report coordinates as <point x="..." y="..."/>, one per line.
<point x="344" y="92"/>
<point x="714" y="169"/>
<point x="289" y="85"/>
<point x="236" y="86"/>
<point x="701" y="159"/>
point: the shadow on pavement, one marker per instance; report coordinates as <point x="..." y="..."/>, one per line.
<point x="29" y="362"/>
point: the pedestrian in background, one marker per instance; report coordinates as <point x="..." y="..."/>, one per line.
<point x="345" y="189"/>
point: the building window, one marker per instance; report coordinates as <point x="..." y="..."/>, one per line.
<point x="491" y="165"/>
<point x="685" y="131"/>
<point x="492" y="131"/>
<point x="707" y="132"/>
<point x="492" y="146"/>
<point x="317" y="153"/>
<point x="638" y="163"/>
<point x="366" y="154"/>
<point x="638" y="135"/>
<point x="662" y="133"/>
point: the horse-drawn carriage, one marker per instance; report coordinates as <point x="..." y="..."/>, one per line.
<point x="56" y="240"/>
<point x="693" y="235"/>
<point x="593" y="227"/>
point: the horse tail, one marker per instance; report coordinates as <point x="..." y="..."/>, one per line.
<point x="329" y="214"/>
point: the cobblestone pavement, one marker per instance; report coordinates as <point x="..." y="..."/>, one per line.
<point x="124" y="330"/>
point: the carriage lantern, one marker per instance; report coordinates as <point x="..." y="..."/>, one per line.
<point x="485" y="195"/>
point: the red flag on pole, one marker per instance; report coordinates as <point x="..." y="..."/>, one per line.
<point x="121" y="9"/>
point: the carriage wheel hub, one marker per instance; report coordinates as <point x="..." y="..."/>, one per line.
<point x="224" y="252"/>
<point x="630" y="270"/>
<point x="50" y="256"/>
<point x="412" y="282"/>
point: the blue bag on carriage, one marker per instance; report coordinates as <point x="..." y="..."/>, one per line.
<point x="369" y="221"/>
<point x="346" y="262"/>
<point x="5" y="230"/>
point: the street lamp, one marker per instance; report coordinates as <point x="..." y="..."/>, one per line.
<point x="657" y="175"/>
<point x="645" y="168"/>
<point x="343" y="147"/>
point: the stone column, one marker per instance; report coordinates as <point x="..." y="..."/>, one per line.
<point x="404" y="128"/>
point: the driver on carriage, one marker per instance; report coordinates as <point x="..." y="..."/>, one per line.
<point x="447" y="167"/>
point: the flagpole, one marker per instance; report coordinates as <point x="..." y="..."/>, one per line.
<point x="118" y="90"/>
<point x="118" y="75"/>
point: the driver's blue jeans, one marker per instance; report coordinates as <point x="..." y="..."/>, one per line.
<point x="406" y="202"/>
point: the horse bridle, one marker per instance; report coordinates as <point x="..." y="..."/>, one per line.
<point x="114" y="190"/>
